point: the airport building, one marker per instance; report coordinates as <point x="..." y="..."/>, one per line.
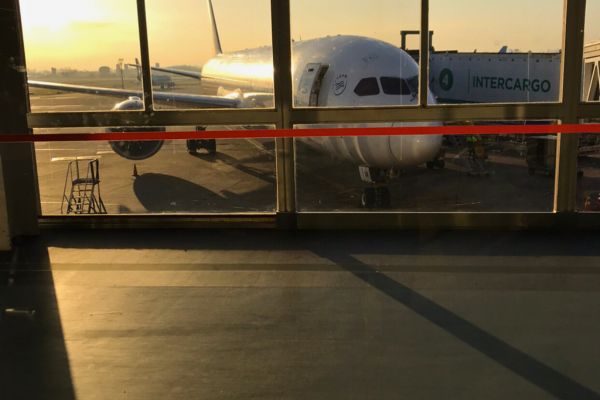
<point x="295" y="199"/>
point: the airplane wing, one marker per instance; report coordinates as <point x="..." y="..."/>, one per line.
<point x="189" y="74"/>
<point x="163" y="97"/>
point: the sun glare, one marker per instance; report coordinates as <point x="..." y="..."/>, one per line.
<point x="78" y="34"/>
<point x="60" y="15"/>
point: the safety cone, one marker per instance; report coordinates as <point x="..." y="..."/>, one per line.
<point x="135" y="173"/>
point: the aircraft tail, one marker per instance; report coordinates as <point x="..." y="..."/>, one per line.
<point x="215" y="31"/>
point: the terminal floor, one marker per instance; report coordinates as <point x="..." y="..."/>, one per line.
<point x="305" y="315"/>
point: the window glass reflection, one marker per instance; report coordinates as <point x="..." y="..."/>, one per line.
<point x="491" y="52"/>
<point x="76" y="50"/>
<point x="341" y="49"/>
<point x="588" y="172"/>
<point x="156" y="177"/>
<point x="461" y="173"/>
<point x="215" y="54"/>
<point x="591" y="54"/>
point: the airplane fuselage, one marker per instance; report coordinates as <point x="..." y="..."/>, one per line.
<point x="334" y="71"/>
<point x="352" y="71"/>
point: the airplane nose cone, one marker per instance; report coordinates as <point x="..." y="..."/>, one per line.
<point x="415" y="149"/>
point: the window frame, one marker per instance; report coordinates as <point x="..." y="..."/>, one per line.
<point x="569" y="109"/>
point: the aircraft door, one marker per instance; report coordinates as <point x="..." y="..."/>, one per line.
<point x="310" y="85"/>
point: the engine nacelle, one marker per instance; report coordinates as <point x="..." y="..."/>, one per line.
<point x="135" y="150"/>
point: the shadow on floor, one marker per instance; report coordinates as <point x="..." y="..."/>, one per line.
<point x="160" y="193"/>
<point x="33" y="357"/>
<point x="406" y="243"/>
<point x="519" y="362"/>
<point x="242" y="165"/>
<point x="37" y="347"/>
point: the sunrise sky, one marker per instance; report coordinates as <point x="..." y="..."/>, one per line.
<point x="85" y="34"/>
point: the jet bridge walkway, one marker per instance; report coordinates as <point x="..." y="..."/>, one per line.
<point x="591" y="72"/>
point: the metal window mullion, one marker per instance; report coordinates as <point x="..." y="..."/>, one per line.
<point x="157" y="118"/>
<point x="588" y="110"/>
<point x="424" y="54"/>
<point x="565" y="188"/>
<point x="442" y="113"/>
<point x="145" y="56"/>
<point x="282" y="68"/>
<point x="445" y="113"/>
<point x="20" y="190"/>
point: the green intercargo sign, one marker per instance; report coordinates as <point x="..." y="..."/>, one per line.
<point x="508" y="83"/>
<point x="446" y="79"/>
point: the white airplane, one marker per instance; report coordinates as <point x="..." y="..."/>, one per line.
<point x="335" y="71"/>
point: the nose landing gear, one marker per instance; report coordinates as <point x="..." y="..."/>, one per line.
<point x="377" y="194"/>
<point x="376" y="197"/>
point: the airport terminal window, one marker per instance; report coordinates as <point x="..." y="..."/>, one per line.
<point x="367" y="87"/>
<point x="395" y="86"/>
<point x="155" y="177"/>
<point x="85" y="43"/>
<point x="491" y="52"/>
<point x="500" y="57"/>
<point x="357" y="41"/>
<point x="474" y="173"/>
<point x="588" y="172"/>
<point x="229" y="56"/>
<point x="591" y="54"/>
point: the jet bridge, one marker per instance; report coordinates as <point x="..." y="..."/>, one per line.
<point x="507" y="77"/>
<point x="502" y="77"/>
<point x="494" y="77"/>
<point x="591" y="72"/>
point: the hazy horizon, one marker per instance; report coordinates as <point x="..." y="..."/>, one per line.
<point x="87" y="34"/>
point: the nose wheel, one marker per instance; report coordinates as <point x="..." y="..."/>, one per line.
<point x="376" y="197"/>
<point x="377" y="194"/>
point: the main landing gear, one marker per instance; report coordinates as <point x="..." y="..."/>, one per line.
<point x="376" y="197"/>
<point x="377" y="194"/>
<point x="193" y="145"/>
<point x="438" y="162"/>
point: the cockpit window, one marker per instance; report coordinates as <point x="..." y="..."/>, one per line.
<point x="367" y="87"/>
<point x="395" y="86"/>
<point x="413" y="84"/>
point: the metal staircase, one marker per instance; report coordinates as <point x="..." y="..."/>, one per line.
<point x="83" y="191"/>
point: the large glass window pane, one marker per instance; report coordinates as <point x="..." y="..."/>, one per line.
<point x="591" y="53"/>
<point x="76" y="50"/>
<point x="461" y="173"/>
<point x="200" y="64"/>
<point x="588" y="172"/>
<point x="342" y="50"/>
<point x="152" y="177"/>
<point x="495" y="51"/>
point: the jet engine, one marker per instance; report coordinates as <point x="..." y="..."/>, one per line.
<point x="135" y="150"/>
